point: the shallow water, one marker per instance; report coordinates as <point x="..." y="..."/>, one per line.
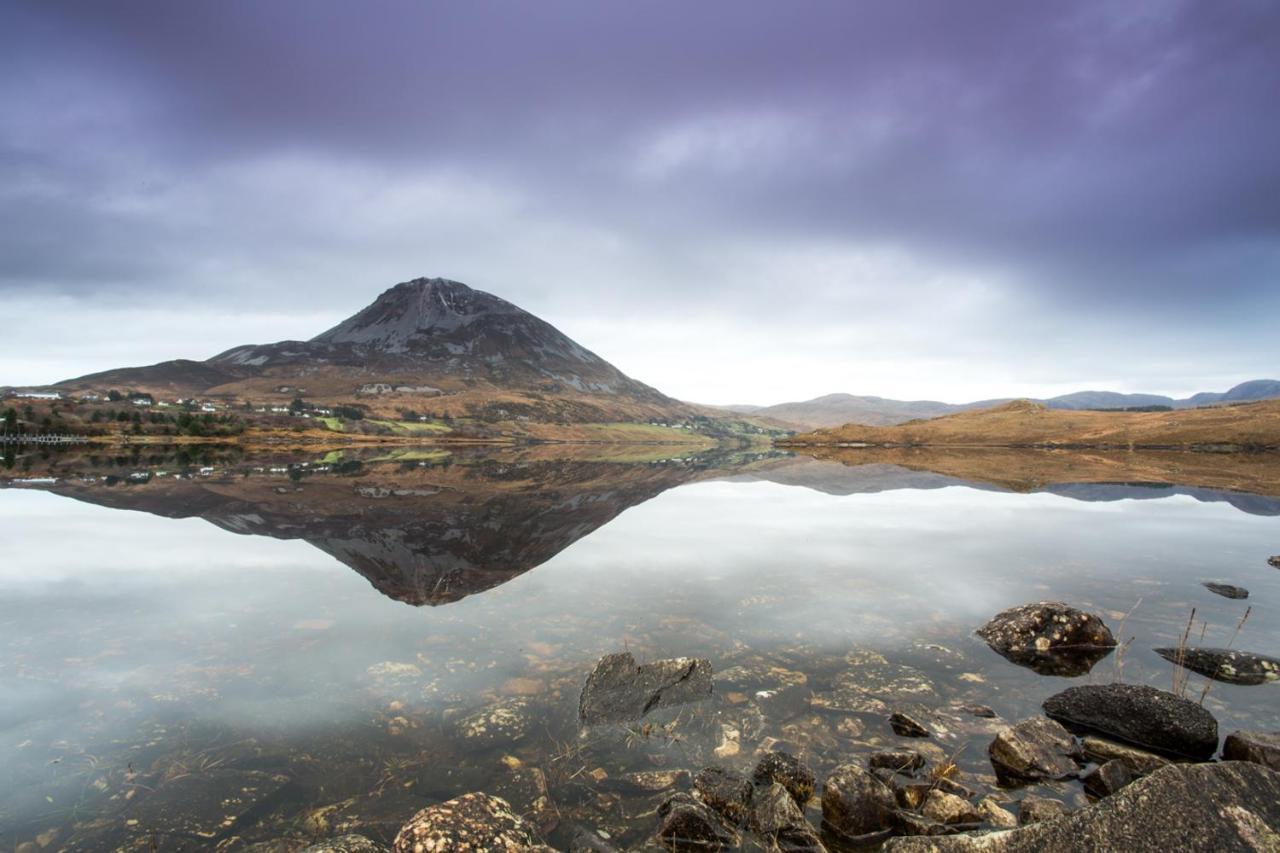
<point x="308" y="663"/>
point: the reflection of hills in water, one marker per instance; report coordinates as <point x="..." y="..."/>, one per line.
<point x="432" y="527"/>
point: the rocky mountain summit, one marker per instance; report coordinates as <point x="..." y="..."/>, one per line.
<point x="427" y="337"/>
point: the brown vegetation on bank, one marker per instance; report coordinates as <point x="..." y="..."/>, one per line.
<point x="1249" y="426"/>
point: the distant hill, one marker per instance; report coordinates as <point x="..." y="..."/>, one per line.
<point x="428" y="343"/>
<point x="1026" y="423"/>
<point x="837" y="409"/>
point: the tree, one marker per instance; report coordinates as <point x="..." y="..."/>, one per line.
<point x="114" y="396"/>
<point x="10" y="420"/>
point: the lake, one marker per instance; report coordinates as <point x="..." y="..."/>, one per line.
<point x="219" y="650"/>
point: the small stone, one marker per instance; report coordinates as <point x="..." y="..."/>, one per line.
<point x="1105" y="779"/>
<point x="1139" y="761"/>
<point x="949" y="809"/>
<point x="1037" y="809"/>
<point x="905" y="726"/>
<point x="979" y="711"/>
<point x="730" y="742"/>
<point x="996" y="815"/>
<point x="1274" y="562"/>
<point x="1258" y="747"/>
<point x="788" y="771"/>
<point x="1035" y="749"/>
<point x="499" y="724"/>
<point x="897" y="760"/>
<point x="725" y="791"/>
<point x="855" y="803"/>
<point x="653" y="781"/>
<point x="586" y="841"/>
<point x="850" y="727"/>
<point x="618" y="689"/>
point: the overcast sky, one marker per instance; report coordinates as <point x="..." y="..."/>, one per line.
<point x="734" y="202"/>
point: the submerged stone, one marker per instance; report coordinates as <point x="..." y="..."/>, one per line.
<point x="856" y="803"/>
<point x="788" y="771"/>
<point x="345" y="844"/>
<point x="1138" y="714"/>
<point x="1227" y="665"/>
<point x="1232" y="807"/>
<point x="905" y="725"/>
<point x="1049" y="637"/>
<point x="472" y="822"/>
<point x="897" y="760"/>
<point x="725" y="791"/>
<point x="206" y="805"/>
<point x="1226" y="590"/>
<point x="619" y="690"/>
<point x="499" y="724"/>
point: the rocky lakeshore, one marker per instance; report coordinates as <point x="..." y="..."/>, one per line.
<point x="1105" y="766"/>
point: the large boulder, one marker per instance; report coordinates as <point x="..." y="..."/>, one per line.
<point x="618" y="689"/>
<point x="1138" y="714"/>
<point x="1232" y="807"/>
<point x="1226" y="665"/>
<point x="472" y="822"/>
<point x="1259" y="747"/>
<point x="1034" y="750"/>
<point x="856" y="803"/>
<point x="1049" y="637"/>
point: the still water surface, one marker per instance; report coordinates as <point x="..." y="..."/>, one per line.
<point x="174" y="682"/>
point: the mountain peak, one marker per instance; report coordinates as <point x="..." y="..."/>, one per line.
<point x="414" y="309"/>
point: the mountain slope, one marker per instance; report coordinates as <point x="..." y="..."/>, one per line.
<point x="423" y="339"/>
<point x="834" y="410"/>
<point x="1025" y="423"/>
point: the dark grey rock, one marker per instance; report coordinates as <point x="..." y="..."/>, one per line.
<point x="1226" y="590"/>
<point x="685" y="824"/>
<point x="904" y="725"/>
<point x="1049" y="637"/>
<point x="897" y="760"/>
<point x="618" y="689"/>
<point x="474" y="821"/>
<point x="1138" y="714"/>
<point x="1105" y="779"/>
<point x="979" y="711"/>
<point x="1258" y="747"/>
<point x="789" y="772"/>
<point x="725" y="791"/>
<point x="1035" y="749"/>
<point x="1227" y="665"/>
<point x="1232" y="807"/>
<point x="856" y="803"/>
<point x="777" y="819"/>
<point x="346" y="844"/>
<point x="1039" y="809"/>
<point x="1274" y="562"/>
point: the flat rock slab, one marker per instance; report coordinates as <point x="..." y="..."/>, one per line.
<point x="206" y="804"/>
<point x="1033" y="750"/>
<point x="1227" y="665"/>
<point x="1140" y="715"/>
<point x="1226" y="590"/>
<point x="1049" y="637"/>
<point x="1232" y="807"/>
<point x="619" y="690"/>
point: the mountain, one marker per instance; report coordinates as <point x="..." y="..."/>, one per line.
<point x="834" y="410"/>
<point x="422" y="339"/>
<point x="1026" y="423"/>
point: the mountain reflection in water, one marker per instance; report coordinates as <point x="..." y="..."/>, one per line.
<point x="430" y="527"/>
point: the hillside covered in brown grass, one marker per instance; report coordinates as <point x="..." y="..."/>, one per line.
<point x="1251" y="426"/>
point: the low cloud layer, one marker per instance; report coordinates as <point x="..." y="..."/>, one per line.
<point x="736" y="203"/>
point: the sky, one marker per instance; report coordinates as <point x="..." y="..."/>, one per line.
<point x="733" y="202"/>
